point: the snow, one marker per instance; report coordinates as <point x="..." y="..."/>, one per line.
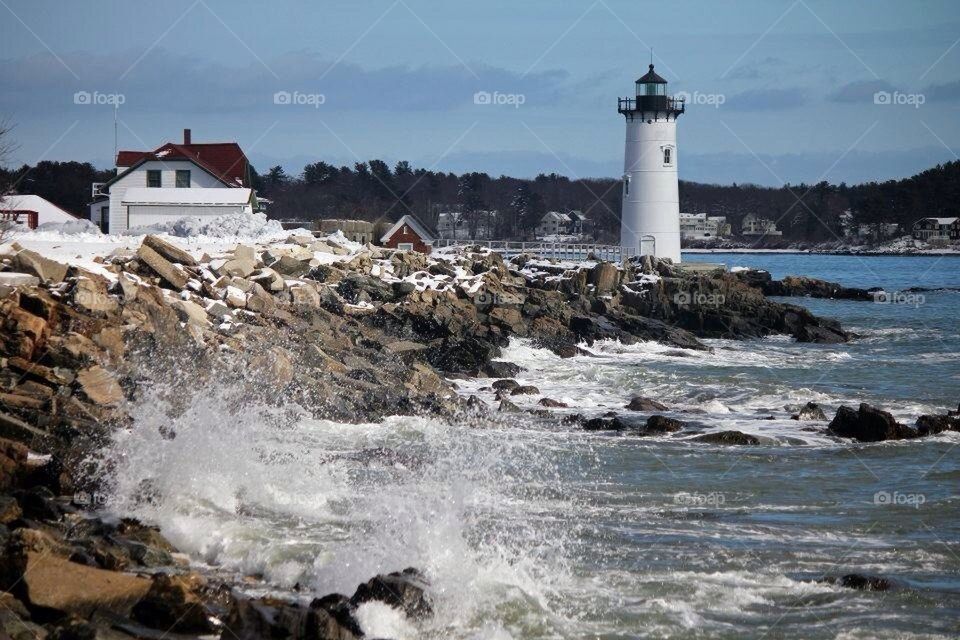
<point x="239" y="227"/>
<point x="70" y="228"/>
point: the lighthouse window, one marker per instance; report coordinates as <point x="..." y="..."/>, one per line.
<point x="626" y="186"/>
<point x="668" y="156"/>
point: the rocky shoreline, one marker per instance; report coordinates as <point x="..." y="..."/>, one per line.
<point x="350" y="334"/>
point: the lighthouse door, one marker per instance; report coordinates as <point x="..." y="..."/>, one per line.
<point x="648" y="245"/>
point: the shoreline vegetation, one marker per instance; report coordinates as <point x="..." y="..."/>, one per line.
<point x="349" y="333"/>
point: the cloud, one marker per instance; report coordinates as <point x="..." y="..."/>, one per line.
<point x="947" y="92"/>
<point x="756" y="70"/>
<point x="860" y="91"/>
<point x="166" y="81"/>
<point x="766" y="99"/>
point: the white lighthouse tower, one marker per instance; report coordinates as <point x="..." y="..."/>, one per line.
<point x="651" y="201"/>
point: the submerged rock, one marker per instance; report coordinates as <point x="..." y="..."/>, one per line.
<point x="810" y="411"/>
<point x="661" y="424"/>
<point x="729" y="438"/>
<point x="859" y="581"/>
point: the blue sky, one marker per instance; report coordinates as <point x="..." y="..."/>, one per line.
<point x="780" y="91"/>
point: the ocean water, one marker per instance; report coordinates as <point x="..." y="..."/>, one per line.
<point x="529" y="528"/>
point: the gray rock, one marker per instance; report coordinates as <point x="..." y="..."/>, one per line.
<point x="645" y="404"/>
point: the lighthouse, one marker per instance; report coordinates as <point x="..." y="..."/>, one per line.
<point x="650" y="224"/>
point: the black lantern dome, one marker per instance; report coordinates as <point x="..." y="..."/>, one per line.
<point x="651" y="98"/>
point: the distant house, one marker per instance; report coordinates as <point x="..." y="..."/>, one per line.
<point x="579" y="222"/>
<point x="699" y="226"/>
<point x="754" y="225"/>
<point x="409" y="234"/>
<point x="29" y="211"/>
<point x="553" y="223"/>
<point x="935" y="229"/>
<point x="140" y="193"/>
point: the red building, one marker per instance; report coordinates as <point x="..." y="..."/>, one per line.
<point x="408" y="234"/>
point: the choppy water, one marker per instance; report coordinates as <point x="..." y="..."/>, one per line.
<point x="532" y="529"/>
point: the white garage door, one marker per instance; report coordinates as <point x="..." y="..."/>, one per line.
<point x="141" y="215"/>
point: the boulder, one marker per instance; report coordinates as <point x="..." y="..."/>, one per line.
<point x="269" y="279"/>
<point x="527" y="389"/>
<point x="169" y="272"/>
<point x="605" y="424"/>
<point x="810" y="411"/>
<point x="550" y="402"/>
<point x="868" y="424"/>
<point x="99" y="385"/>
<point x="8" y="279"/>
<point x="174" y="603"/>
<point x="605" y="277"/>
<point x="55" y="584"/>
<point x="13" y="460"/>
<point x="505" y="385"/>
<point x="44" y="268"/>
<point x="191" y="313"/>
<point x="169" y="251"/>
<point x="645" y="404"/>
<point x="500" y="369"/>
<point x="928" y="425"/>
<point x="92" y="297"/>
<point x="238" y="267"/>
<point x="273" y="618"/>
<point x="23" y="333"/>
<point x="244" y="252"/>
<point x="508" y="407"/>
<point x="661" y="424"/>
<point x="288" y="265"/>
<point x="728" y="438"/>
<point x="405" y="590"/>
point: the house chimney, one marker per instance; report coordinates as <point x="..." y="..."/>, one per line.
<point x="186" y="136"/>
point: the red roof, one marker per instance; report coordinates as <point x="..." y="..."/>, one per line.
<point x="130" y="158"/>
<point x="224" y="160"/>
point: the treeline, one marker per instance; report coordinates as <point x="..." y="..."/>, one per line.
<point x="374" y="190"/>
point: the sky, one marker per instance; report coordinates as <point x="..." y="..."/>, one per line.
<point x="777" y="92"/>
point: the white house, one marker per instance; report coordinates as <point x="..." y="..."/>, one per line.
<point x="936" y="229"/>
<point x="29" y="211"/>
<point x="553" y="223"/>
<point x="698" y="226"/>
<point x="202" y="169"/>
<point x="754" y="225"/>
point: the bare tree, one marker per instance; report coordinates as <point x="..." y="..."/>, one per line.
<point x="7" y="147"/>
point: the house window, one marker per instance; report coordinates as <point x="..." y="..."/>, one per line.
<point x="183" y="178"/>
<point x="153" y="177"/>
<point x="668" y="156"/>
<point x="405" y="246"/>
